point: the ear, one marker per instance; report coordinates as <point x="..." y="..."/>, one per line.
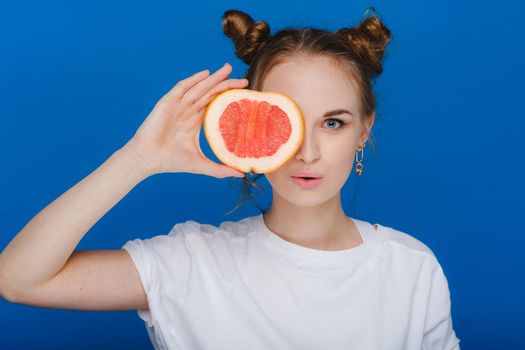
<point x="368" y="124"/>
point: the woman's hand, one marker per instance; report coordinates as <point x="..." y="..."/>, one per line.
<point x="168" y="139"/>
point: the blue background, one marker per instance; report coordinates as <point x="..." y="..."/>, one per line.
<point x="78" y="78"/>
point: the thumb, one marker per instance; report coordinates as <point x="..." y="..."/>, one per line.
<point x="228" y="171"/>
<point x="222" y="171"/>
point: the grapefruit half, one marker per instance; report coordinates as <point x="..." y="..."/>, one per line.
<point x="253" y="131"/>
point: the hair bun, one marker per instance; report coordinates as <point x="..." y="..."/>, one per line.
<point x="248" y="35"/>
<point x="369" y="39"/>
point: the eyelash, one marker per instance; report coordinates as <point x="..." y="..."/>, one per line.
<point x="338" y="120"/>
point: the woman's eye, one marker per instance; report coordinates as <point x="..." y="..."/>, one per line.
<point x="330" y="123"/>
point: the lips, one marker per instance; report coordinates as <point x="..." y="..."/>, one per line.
<point x="307" y="175"/>
<point x="305" y="183"/>
<point x="306" y="179"/>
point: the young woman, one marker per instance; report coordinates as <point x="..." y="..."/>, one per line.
<point x="302" y="275"/>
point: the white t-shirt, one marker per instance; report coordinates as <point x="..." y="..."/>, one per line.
<point x="241" y="286"/>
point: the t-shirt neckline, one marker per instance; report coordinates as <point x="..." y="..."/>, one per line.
<point x="369" y="235"/>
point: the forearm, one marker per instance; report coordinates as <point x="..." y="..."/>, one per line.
<point x="40" y="250"/>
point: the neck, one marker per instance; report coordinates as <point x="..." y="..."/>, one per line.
<point x="324" y="226"/>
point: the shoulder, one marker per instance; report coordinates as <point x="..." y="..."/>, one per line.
<point x="223" y="235"/>
<point x="404" y="240"/>
<point x="402" y="253"/>
<point x="406" y="258"/>
<point x="229" y="229"/>
<point x="179" y="241"/>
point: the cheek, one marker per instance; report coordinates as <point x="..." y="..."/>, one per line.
<point x="342" y="152"/>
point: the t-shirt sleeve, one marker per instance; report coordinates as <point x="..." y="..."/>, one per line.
<point x="159" y="260"/>
<point x="439" y="332"/>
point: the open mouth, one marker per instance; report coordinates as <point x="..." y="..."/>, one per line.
<point x="307" y="182"/>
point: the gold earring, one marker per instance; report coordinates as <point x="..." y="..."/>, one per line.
<point x="359" y="164"/>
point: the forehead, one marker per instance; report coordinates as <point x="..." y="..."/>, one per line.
<point x="316" y="84"/>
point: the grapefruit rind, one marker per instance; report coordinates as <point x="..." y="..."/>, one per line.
<point x="267" y="164"/>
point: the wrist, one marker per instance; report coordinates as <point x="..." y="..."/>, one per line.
<point x="134" y="162"/>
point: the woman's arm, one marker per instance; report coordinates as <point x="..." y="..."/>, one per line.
<point x="165" y="142"/>
<point x="41" y="249"/>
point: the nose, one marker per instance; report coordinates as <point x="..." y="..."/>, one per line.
<point x="308" y="151"/>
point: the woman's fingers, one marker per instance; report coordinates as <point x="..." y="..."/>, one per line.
<point x="184" y="85"/>
<point x="203" y="86"/>
<point x="206" y="166"/>
<point x="186" y="92"/>
<point x="225" y="85"/>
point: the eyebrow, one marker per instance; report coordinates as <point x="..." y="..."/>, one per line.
<point x="336" y="112"/>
